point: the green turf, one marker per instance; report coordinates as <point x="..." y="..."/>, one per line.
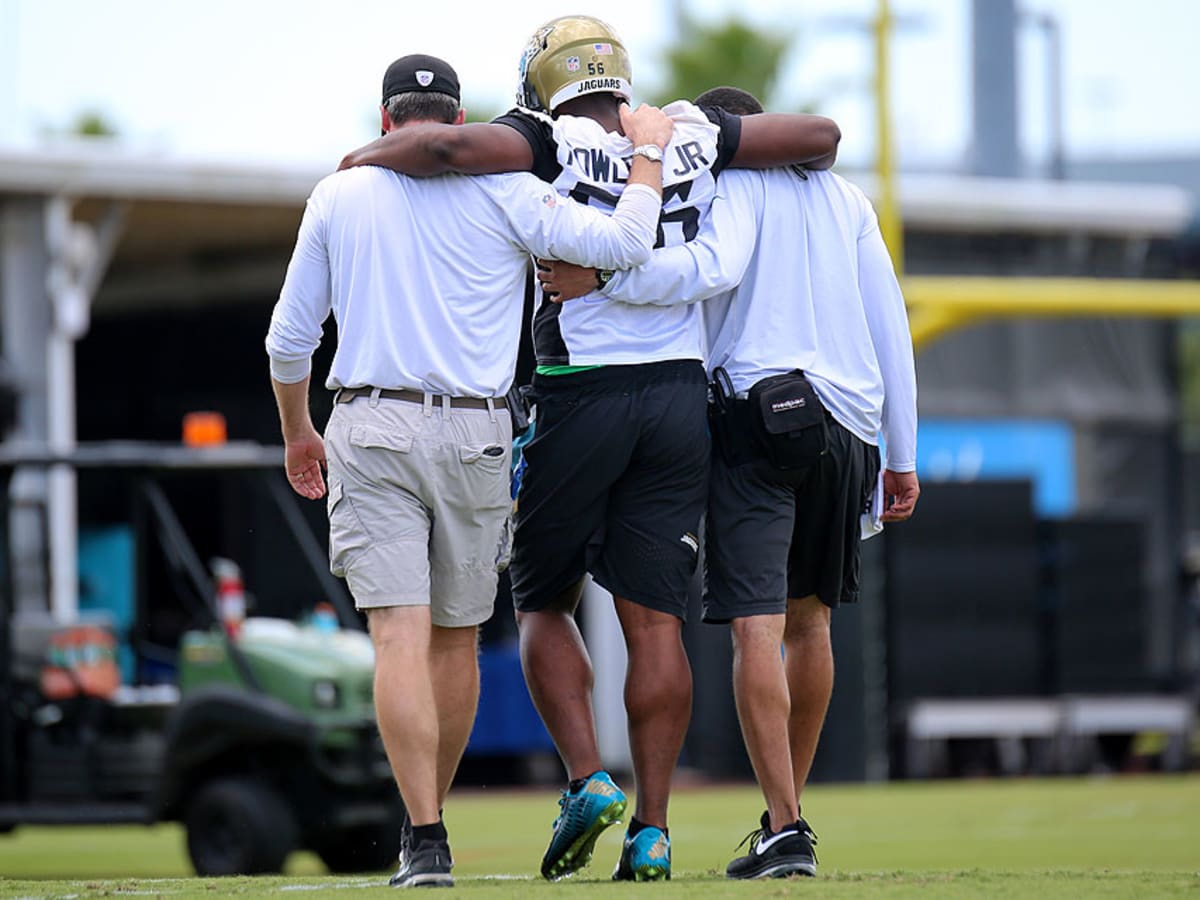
<point x="1084" y="837"/>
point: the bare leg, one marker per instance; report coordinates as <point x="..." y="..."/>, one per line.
<point x="405" y="705"/>
<point x="809" y="661"/>
<point x="760" y="689"/>
<point x="658" y="702"/>
<point x="454" y="671"/>
<point x="558" y="672"/>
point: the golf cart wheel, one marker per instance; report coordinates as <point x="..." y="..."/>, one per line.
<point x="239" y="827"/>
<point x="368" y="848"/>
<point x="364" y="848"/>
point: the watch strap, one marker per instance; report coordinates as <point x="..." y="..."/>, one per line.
<point x="652" y="152"/>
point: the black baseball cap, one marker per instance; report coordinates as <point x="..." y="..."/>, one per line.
<point x="420" y="73"/>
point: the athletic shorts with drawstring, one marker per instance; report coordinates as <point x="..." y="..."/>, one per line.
<point x="615" y="482"/>
<point x="419" y="505"/>
<point x="766" y="541"/>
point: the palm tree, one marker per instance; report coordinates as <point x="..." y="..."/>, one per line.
<point x="731" y="53"/>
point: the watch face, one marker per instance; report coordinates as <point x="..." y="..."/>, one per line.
<point x="650" y="151"/>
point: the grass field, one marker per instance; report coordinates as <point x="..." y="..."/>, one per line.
<point x="1114" y="837"/>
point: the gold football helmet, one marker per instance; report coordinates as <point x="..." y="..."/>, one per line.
<point x="571" y="56"/>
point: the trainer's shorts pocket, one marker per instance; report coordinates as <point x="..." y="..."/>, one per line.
<point x="371" y="438"/>
<point x="336" y="493"/>
<point x="487" y="457"/>
<point x="345" y="532"/>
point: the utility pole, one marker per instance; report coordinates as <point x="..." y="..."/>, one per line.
<point x="890" y="224"/>
<point x="1048" y="24"/>
<point x="881" y="28"/>
<point x="994" y="133"/>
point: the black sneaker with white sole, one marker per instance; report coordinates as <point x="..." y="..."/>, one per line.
<point x="776" y="854"/>
<point x="426" y="864"/>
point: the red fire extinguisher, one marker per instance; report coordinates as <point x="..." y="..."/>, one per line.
<point x="231" y="595"/>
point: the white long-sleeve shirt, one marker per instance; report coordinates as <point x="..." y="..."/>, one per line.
<point x="425" y="276"/>
<point x="795" y="275"/>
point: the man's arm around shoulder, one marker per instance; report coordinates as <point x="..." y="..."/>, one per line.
<point x="479" y="148"/>
<point x="567" y="229"/>
<point x="781" y="139"/>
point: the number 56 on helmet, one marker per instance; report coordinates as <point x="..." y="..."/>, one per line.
<point x="571" y="56"/>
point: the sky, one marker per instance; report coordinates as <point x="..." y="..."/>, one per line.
<point x="297" y="81"/>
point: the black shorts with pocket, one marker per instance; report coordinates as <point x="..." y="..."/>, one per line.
<point x="615" y="482"/>
<point x="768" y="541"/>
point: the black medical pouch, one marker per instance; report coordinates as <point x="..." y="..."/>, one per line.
<point x="789" y="421"/>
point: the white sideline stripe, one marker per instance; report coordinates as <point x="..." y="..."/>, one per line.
<point x="327" y="885"/>
<point x="496" y="878"/>
<point x="372" y="883"/>
<point x="361" y="883"/>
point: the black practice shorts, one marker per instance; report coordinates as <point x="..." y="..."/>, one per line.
<point x="766" y="542"/>
<point x="614" y="485"/>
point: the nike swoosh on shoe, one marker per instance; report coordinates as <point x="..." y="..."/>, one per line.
<point x="763" y="846"/>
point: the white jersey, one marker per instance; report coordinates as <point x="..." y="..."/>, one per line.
<point x="591" y="165"/>
<point x="799" y="278"/>
<point x="425" y="276"/>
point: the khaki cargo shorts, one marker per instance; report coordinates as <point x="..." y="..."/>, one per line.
<point x="419" y="505"/>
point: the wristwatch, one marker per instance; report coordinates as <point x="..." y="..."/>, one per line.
<point x="652" y="152"/>
<point x="603" y="277"/>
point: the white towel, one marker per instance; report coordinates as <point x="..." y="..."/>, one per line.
<point x="872" y="519"/>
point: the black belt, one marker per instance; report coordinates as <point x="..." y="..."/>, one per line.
<point x="345" y="395"/>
